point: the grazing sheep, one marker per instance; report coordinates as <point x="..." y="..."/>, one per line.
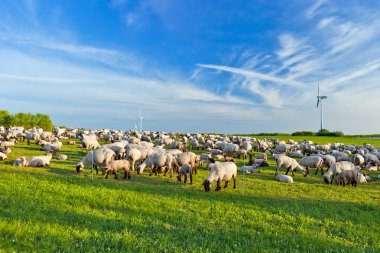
<point x="7" y="144"/>
<point x="283" y="161"/>
<point x="3" y="157"/>
<point x="295" y="154"/>
<point x="62" y="157"/>
<point x="114" y="166"/>
<point x="347" y="175"/>
<point x="187" y="158"/>
<point x="204" y="157"/>
<point x="97" y="157"/>
<point x="259" y="162"/>
<point x="372" y="166"/>
<point x="363" y="178"/>
<point x="283" y="178"/>
<point x="6" y="150"/>
<point x="249" y="169"/>
<point x="133" y="155"/>
<point x="158" y="161"/>
<point x="335" y="169"/>
<point x="20" y="162"/>
<point x="262" y="156"/>
<point x="358" y="160"/>
<point x="89" y="142"/>
<point x="328" y="160"/>
<point x="312" y="162"/>
<point x="184" y="170"/>
<point x="220" y="171"/>
<point x="72" y="143"/>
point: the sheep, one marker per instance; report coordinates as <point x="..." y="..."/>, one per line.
<point x="258" y="162"/>
<point x="372" y="166"/>
<point x="6" y="150"/>
<point x="114" y="166"/>
<point x="62" y="157"/>
<point x="249" y="169"/>
<point x="228" y="159"/>
<point x="40" y="161"/>
<point x="283" y="161"/>
<point x="370" y="158"/>
<point x="363" y="178"/>
<point x="3" y="156"/>
<point x="262" y="156"/>
<point x="347" y="175"/>
<point x="184" y="170"/>
<point x="328" y="160"/>
<point x="133" y="155"/>
<point x="7" y="144"/>
<point x="220" y="171"/>
<point x="204" y="157"/>
<point x="312" y="162"/>
<point x="20" y="162"/>
<point x="188" y="158"/>
<point x="283" y="178"/>
<point x="230" y="148"/>
<point x="295" y="154"/>
<point x="358" y="160"/>
<point x="335" y="169"/>
<point x="89" y="142"/>
<point x="158" y="161"/>
<point x="96" y="157"/>
<point x="46" y="136"/>
<point x="72" y="143"/>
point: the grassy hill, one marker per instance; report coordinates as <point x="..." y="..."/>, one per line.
<point x="54" y="209"/>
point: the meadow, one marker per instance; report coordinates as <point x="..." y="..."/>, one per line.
<point x="54" y="209"/>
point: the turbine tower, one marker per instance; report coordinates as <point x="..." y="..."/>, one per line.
<point x="141" y="119"/>
<point x="319" y="101"/>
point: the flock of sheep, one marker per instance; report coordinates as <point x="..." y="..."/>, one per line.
<point x="162" y="152"/>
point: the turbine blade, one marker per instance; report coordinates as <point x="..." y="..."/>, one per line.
<point x="318" y="89"/>
<point x="317" y="102"/>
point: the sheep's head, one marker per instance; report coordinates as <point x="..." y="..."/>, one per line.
<point x="104" y="170"/>
<point x="207" y="185"/>
<point x="141" y="168"/>
<point x="304" y="173"/>
<point x="179" y="177"/>
<point x="326" y="180"/>
<point x="79" y="167"/>
<point x="265" y="164"/>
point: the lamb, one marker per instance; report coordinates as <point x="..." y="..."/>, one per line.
<point x="96" y="157"/>
<point x="3" y="156"/>
<point x="90" y="142"/>
<point x="72" y="143"/>
<point x="347" y="175"/>
<point x="228" y="159"/>
<point x="188" y="158"/>
<point x="249" y="169"/>
<point x="204" y="157"/>
<point x="62" y="157"/>
<point x="40" y="161"/>
<point x="284" y="178"/>
<point x="20" y="162"/>
<point x="184" y="170"/>
<point x="133" y="155"/>
<point x="114" y="166"/>
<point x="372" y="166"/>
<point x="7" y="144"/>
<point x="220" y="171"/>
<point x="6" y="150"/>
<point x="335" y="169"/>
<point x="312" y="162"/>
<point x="363" y="178"/>
<point x="158" y="161"/>
<point x="283" y="161"/>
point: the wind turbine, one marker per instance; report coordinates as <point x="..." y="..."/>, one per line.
<point x="319" y="101"/>
<point x="140" y="118"/>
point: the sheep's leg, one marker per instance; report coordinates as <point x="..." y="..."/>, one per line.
<point x="115" y="173"/>
<point x="191" y="178"/>
<point x="107" y="175"/>
<point x="125" y="174"/>
<point x="96" y="168"/>
<point x="287" y="171"/>
<point x="234" y="178"/>
<point x="218" y="185"/>
<point x="185" y="178"/>
<point x="151" y="171"/>
<point x="225" y="184"/>
<point x="307" y="169"/>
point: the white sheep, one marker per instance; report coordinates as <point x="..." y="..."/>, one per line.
<point x="312" y="162"/>
<point x="20" y="162"/>
<point x="96" y="157"/>
<point x="283" y="161"/>
<point x="40" y="161"/>
<point x="114" y="166"/>
<point x="184" y="170"/>
<point x="283" y="178"/>
<point x="62" y="157"/>
<point x="249" y="169"/>
<point x="3" y="156"/>
<point x="335" y="169"/>
<point x="220" y="171"/>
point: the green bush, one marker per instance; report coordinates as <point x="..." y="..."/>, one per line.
<point x="303" y="133"/>
<point x="26" y="120"/>
<point x="325" y="132"/>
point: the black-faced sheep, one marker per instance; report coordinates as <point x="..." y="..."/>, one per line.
<point x="114" y="166"/>
<point x="218" y="172"/>
<point x="283" y="161"/>
<point x="184" y="170"/>
<point x="312" y="162"/>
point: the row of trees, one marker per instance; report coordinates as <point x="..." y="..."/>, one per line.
<point x="27" y="120"/>
<point x="322" y="132"/>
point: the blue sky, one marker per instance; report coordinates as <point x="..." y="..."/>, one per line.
<point x="193" y="66"/>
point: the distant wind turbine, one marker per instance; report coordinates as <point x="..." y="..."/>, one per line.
<point x="319" y="101"/>
<point x="141" y="119"/>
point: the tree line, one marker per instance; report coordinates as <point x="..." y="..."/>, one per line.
<point x="26" y="120"/>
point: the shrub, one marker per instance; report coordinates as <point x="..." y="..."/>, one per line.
<point x="303" y="133"/>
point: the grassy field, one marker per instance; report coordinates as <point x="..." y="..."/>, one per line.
<point x="53" y="209"/>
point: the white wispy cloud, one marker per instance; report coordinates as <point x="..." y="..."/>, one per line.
<point x="313" y="10"/>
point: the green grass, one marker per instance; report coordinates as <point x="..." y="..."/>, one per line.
<point x="54" y="209"/>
